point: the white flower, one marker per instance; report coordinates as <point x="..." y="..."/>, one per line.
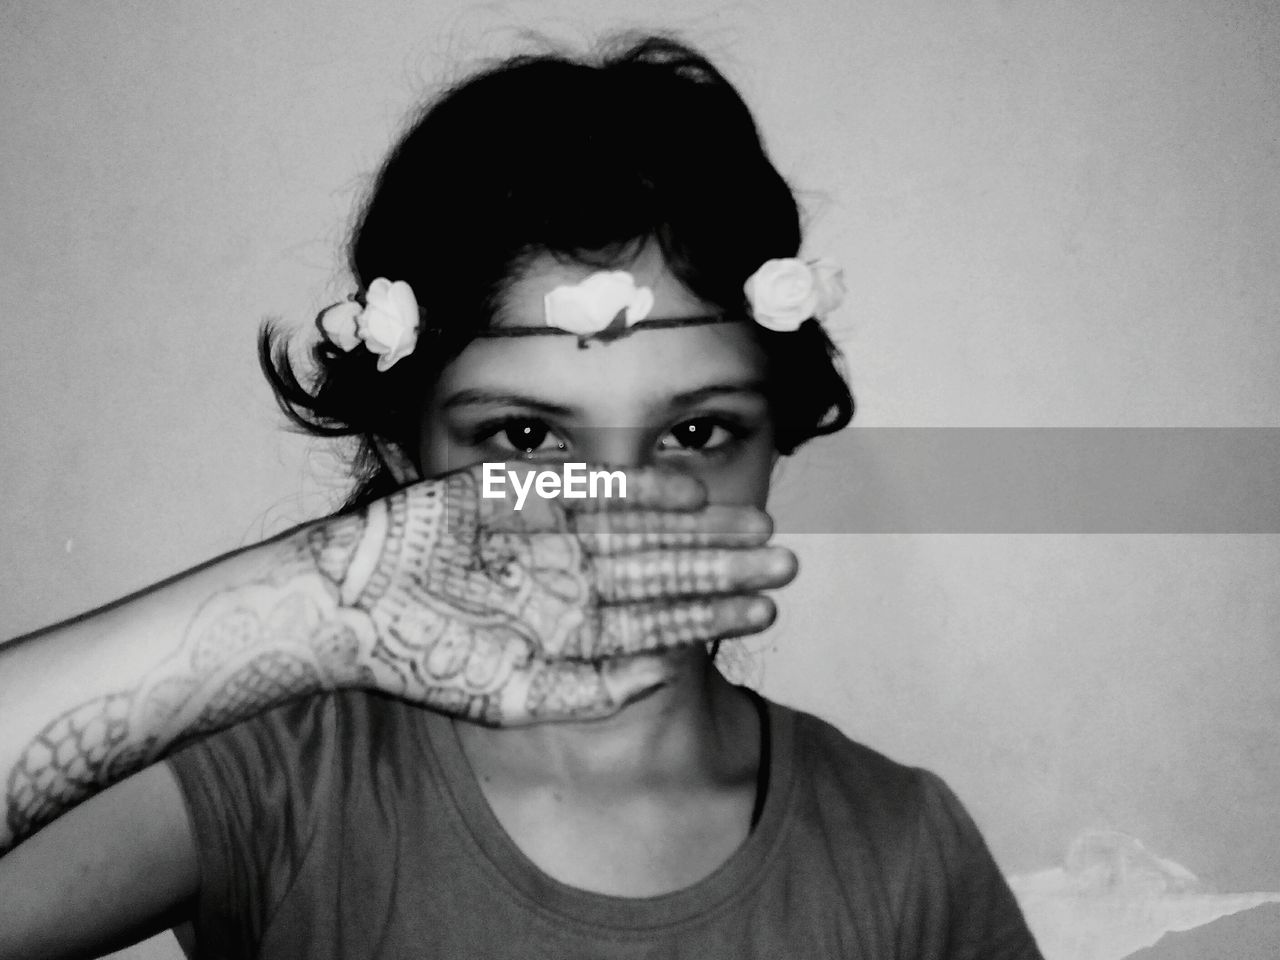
<point x="589" y="306"/>
<point x="338" y="324"/>
<point x="389" y="323"/>
<point x="785" y="293"/>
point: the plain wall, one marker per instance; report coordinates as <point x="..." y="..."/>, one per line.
<point x="1049" y="214"/>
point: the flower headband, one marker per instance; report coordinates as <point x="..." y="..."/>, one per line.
<point x="782" y="295"/>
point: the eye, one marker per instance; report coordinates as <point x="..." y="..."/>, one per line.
<point x="699" y="434"/>
<point x="523" y="436"/>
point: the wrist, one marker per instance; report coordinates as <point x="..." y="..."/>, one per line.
<point x="372" y="567"/>
<point x="362" y="554"/>
<point x="366" y="560"/>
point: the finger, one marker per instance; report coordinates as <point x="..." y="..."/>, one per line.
<point x="642" y="628"/>
<point x="672" y="574"/>
<point x="643" y="488"/>
<point x="579" y="691"/>
<point x="631" y="531"/>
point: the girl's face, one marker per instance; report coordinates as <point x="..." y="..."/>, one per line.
<point x="691" y="398"/>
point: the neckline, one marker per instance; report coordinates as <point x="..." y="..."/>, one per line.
<point x="497" y="853"/>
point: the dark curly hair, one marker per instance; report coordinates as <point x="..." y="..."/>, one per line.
<point x="585" y="158"/>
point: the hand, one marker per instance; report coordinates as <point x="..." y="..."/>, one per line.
<point x="510" y="616"/>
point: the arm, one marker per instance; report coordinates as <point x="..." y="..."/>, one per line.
<point x="89" y="702"/>
<point x="433" y="594"/>
<point x="120" y="867"/>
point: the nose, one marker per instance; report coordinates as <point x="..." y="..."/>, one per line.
<point x="616" y="446"/>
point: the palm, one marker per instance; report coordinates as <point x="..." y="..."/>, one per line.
<point x="507" y="616"/>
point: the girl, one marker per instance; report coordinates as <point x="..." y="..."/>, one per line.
<point x="562" y="261"/>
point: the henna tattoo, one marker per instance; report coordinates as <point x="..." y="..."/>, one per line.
<point x="479" y="708"/>
<point x="649" y="576"/>
<point x="245" y="650"/>
<point x="434" y="594"/>
<point x="461" y="606"/>
<point x="569" y="693"/>
<point x="469" y="602"/>
<point x="65" y="762"/>
<point x="270" y="678"/>
<point x="334" y="544"/>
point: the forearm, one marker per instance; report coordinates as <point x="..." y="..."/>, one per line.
<point x="86" y="703"/>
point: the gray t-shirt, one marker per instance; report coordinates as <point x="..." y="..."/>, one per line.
<point x="351" y="826"/>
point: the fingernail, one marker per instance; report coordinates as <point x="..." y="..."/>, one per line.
<point x="760" y="612"/>
<point x="783" y="563"/>
<point x="758" y="524"/>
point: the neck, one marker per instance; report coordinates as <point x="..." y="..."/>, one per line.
<point x="695" y="724"/>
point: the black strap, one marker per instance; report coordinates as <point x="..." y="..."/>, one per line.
<point x="656" y="323"/>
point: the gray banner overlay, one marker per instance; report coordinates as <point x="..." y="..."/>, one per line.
<point x="1008" y="480"/>
<point x="1034" y="480"/>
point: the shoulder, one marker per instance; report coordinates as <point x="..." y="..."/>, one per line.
<point x="824" y="742"/>
<point x="891" y="810"/>
<point x="834" y="762"/>
<point x="268" y="798"/>
<point x="943" y="887"/>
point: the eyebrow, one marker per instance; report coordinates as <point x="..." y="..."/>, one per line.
<point x="713" y="390"/>
<point x="497" y="398"/>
